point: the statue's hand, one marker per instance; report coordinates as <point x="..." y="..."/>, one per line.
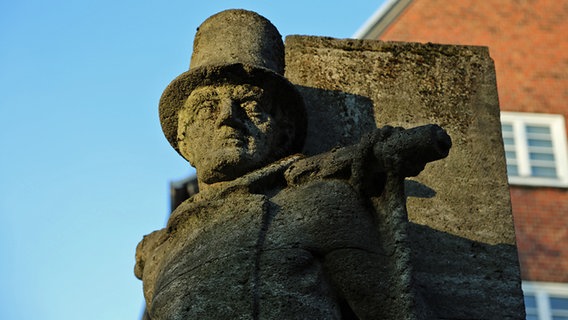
<point x="406" y="152"/>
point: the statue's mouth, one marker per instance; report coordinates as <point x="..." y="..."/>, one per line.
<point x="232" y="137"/>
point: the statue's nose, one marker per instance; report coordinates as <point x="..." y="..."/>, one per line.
<point x="228" y="113"/>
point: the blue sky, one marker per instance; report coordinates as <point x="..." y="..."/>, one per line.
<point x="85" y="168"/>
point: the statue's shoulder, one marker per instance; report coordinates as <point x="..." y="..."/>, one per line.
<point x="346" y="169"/>
<point x="332" y="165"/>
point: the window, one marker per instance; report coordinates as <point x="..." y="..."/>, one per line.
<point x="535" y="148"/>
<point x="546" y="301"/>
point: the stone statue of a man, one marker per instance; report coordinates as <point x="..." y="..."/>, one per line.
<point x="272" y="234"/>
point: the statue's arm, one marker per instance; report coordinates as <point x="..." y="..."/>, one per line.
<point x="405" y="152"/>
<point x="397" y="152"/>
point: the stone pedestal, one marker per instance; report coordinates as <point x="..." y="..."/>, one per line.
<point x="463" y="252"/>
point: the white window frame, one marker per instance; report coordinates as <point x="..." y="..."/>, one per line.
<point x="558" y="133"/>
<point x="543" y="291"/>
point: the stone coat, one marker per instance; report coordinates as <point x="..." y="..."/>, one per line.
<point x="294" y="250"/>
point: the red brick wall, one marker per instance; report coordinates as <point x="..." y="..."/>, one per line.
<point x="528" y="39"/>
<point x="541" y="222"/>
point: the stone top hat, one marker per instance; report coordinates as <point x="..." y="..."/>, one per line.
<point x="235" y="47"/>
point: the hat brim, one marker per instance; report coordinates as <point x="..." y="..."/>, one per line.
<point x="174" y="96"/>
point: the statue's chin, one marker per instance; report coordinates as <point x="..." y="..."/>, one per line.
<point x="227" y="166"/>
<point x="218" y="175"/>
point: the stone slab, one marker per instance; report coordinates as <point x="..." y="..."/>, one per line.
<point x="463" y="242"/>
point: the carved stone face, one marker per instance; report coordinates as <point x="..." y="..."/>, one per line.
<point x="226" y="131"/>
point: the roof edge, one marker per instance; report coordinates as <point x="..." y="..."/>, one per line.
<point x="381" y="19"/>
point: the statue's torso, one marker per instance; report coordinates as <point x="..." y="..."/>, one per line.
<point x="253" y="256"/>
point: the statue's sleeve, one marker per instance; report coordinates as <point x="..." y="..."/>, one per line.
<point x="385" y="152"/>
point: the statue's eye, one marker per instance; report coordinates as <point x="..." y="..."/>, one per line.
<point x="205" y="110"/>
<point x="250" y="107"/>
<point x="253" y="111"/>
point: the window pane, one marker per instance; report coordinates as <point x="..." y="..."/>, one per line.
<point x="510" y="155"/>
<point x="538" y="129"/>
<point x="530" y="306"/>
<point x="507" y="127"/>
<point x="509" y="141"/>
<point x="541" y="156"/>
<point x="558" y="303"/>
<point x="512" y="170"/>
<point x="543" y="172"/>
<point x="539" y="143"/>
<point x="530" y="301"/>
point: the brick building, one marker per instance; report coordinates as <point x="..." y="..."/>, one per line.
<point x="529" y="42"/>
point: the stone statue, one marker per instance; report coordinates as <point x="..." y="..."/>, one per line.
<point x="273" y="234"/>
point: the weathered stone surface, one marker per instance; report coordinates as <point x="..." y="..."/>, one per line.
<point x="326" y="235"/>
<point x="462" y="236"/>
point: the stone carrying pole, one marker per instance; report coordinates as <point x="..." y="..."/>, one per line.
<point x="278" y="231"/>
